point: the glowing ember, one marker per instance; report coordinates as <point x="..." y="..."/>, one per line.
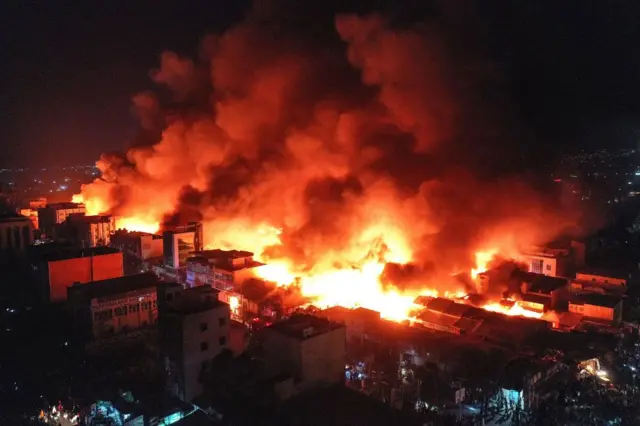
<point x="513" y="310"/>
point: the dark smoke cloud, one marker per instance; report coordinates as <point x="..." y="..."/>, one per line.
<point x="344" y="144"/>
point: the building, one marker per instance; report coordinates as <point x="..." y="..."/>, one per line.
<point x="16" y="234"/>
<point x="557" y="258"/>
<point x="55" y="214"/>
<point x="88" y="231"/>
<point x="597" y="307"/>
<point x="537" y="289"/>
<point x="310" y="349"/>
<point x="32" y="214"/>
<point x="221" y="269"/>
<point x="603" y="278"/>
<point x="180" y="242"/>
<point x="194" y="327"/>
<point x="56" y="267"/>
<point x="140" y="245"/>
<point x="113" y="307"/>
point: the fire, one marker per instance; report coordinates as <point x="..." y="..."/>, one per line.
<point x="514" y="309"/>
<point x="482" y="262"/>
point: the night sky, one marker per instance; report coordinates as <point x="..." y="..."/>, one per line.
<point x="570" y="69"/>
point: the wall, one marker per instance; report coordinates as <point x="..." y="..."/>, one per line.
<point x="64" y="273"/>
<point x="600" y="279"/>
<point x="150" y="247"/>
<point x="549" y="264"/>
<point x="593" y="311"/>
<point x="324" y="357"/>
<point x="16" y="235"/>
<point x="126" y="312"/>
<point x="194" y="337"/>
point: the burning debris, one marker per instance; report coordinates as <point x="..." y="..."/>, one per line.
<point x="336" y="171"/>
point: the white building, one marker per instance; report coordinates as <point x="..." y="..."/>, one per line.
<point x="195" y="329"/>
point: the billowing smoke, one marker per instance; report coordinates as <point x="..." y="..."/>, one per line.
<point x="324" y="155"/>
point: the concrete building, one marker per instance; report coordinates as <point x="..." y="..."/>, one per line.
<point x="603" y="278"/>
<point x="597" y="307"/>
<point x="56" y="267"/>
<point x="310" y="349"/>
<point x="16" y="234"/>
<point x="113" y="307"/>
<point x="221" y="269"/>
<point x="557" y="259"/>
<point x="180" y="242"/>
<point x="140" y="245"/>
<point x="194" y="327"/>
<point x="55" y="214"/>
<point x="89" y="231"/>
<point x="550" y="292"/>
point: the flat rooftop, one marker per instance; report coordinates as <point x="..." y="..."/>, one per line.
<point x="604" y="272"/>
<point x="114" y="286"/>
<point x="595" y="299"/>
<point x="194" y="300"/>
<point x="55" y="252"/>
<point x="224" y="254"/>
<point x="63" y="206"/>
<point x="81" y="217"/>
<point x="304" y="326"/>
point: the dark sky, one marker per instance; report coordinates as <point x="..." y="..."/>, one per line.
<point x="571" y="68"/>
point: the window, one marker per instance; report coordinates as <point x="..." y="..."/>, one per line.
<point x="222" y="322"/>
<point x="204" y="346"/>
<point x="222" y="340"/>
<point x="536" y="266"/>
<point x="204" y="326"/>
<point x="548" y="267"/>
<point x="154" y="304"/>
<point x="134" y="308"/>
<point x="120" y="311"/>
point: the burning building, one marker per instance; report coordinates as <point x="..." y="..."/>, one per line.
<point x="179" y="242"/>
<point x="88" y="231"/>
<point x="56" y="214"/>
<point x="328" y="181"/>
<point x="139" y="245"/>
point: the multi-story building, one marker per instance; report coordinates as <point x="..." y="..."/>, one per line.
<point x="140" y="245"/>
<point x="194" y="327"/>
<point x="56" y="267"/>
<point x="16" y="234"/>
<point x="597" y="307"/>
<point x="180" y="242"/>
<point x="89" y="231"/>
<point x="556" y="259"/>
<point x="112" y="307"/>
<point x="233" y="274"/>
<point x="309" y="348"/>
<point x="55" y="214"/>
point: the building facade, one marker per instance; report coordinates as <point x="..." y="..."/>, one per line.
<point x="89" y="231"/>
<point x="55" y="214"/>
<point x="59" y="268"/>
<point x="180" y="242"/>
<point x="16" y="234"/>
<point x="194" y="327"/>
<point x="309" y="348"/>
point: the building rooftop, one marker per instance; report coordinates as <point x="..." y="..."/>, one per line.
<point x="63" y="206"/>
<point x="224" y="254"/>
<point x="540" y="283"/>
<point x="537" y="298"/>
<point x="81" y="217"/>
<point x="595" y="299"/>
<point x="195" y="300"/>
<point x="54" y="251"/>
<point x="604" y="272"/>
<point x="304" y="326"/>
<point x="124" y="232"/>
<point x="113" y="286"/>
<point x="12" y="217"/>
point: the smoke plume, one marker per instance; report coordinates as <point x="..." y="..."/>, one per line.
<point x="324" y="155"/>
